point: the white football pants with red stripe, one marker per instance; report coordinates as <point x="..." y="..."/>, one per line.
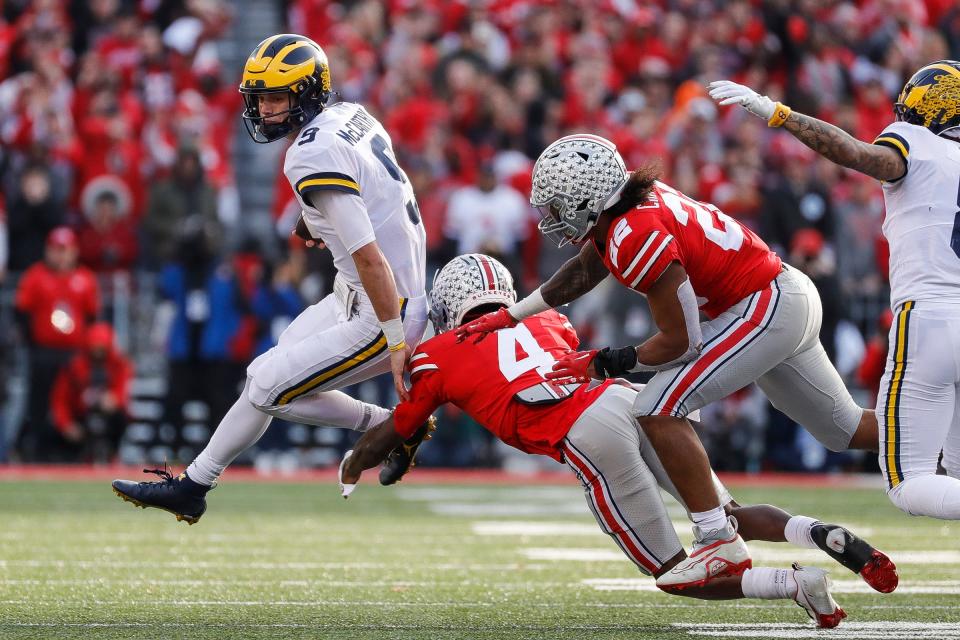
<point x="622" y="476"/>
<point x="771" y="337"/>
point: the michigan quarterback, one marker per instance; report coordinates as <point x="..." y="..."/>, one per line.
<point x="355" y="199"/>
<point x="918" y="160"/>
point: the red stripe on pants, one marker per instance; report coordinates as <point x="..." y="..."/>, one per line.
<point x="606" y="513"/>
<point x="714" y="353"/>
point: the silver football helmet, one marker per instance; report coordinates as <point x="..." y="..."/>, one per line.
<point x="574" y="180"/>
<point x="465" y="283"/>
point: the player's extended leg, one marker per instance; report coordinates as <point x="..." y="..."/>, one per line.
<point x="807" y="586"/>
<point x="604" y="449"/>
<point x="772" y="524"/>
<point x="739" y="345"/>
<point x="808" y="389"/>
<point x="916" y="410"/>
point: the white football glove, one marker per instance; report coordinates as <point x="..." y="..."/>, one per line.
<point x="726" y="92"/>
<point x="345" y="489"/>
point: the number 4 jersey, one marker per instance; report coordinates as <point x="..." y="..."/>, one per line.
<point x="724" y="260"/>
<point x="499" y="382"/>
<point x="923" y="216"/>
<point x="345" y="151"/>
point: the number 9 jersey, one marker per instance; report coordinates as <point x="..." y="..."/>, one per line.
<point x="724" y="260"/>
<point x="923" y="216"/>
<point x="345" y="150"/>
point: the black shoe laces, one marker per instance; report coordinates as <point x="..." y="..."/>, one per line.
<point x="163" y="473"/>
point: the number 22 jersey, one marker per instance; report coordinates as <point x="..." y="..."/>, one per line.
<point x="724" y="260"/>
<point x="499" y="382"/>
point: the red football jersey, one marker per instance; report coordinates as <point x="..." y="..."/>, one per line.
<point x="725" y="261"/>
<point x="484" y="378"/>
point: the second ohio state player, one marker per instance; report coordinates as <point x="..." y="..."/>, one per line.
<point x="500" y="381"/>
<point x="686" y="257"/>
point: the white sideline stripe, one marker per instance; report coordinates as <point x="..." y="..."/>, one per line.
<point x="545" y="528"/>
<point x="847" y="630"/>
<point x="314" y="604"/>
<point x="486" y="494"/>
<point x="845" y="585"/>
<point x="532" y="528"/>
<point x="505" y="508"/>
<point x="783" y="554"/>
<point x="266" y="566"/>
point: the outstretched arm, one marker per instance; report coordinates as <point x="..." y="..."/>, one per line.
<point x="833" y="143"/>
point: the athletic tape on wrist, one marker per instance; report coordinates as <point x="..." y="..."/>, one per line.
<point x="780" y="114"/>
<point x="393" y="330"/>
<point x="529" y="306"/>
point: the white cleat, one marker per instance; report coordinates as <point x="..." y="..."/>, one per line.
<point x="813" y="594"/>
<point x="719" y="553"/>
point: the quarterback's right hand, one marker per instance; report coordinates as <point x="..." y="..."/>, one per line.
<point x="485" y="324"/>
<point x="726" y="92"/>
<point x="398" y="364"/>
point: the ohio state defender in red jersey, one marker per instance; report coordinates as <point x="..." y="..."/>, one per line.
<point x="724" y="260"/>
<point x="500" y="381"/>
<point x="686" y="257"/>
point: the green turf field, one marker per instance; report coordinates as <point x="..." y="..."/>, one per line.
<point x="417" y="561"/>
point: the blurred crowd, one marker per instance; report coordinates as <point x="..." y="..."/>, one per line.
<point x="118" y="124"/>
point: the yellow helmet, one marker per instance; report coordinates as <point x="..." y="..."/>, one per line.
<point x="291" y="64"/>
<point x="931" y="97"/>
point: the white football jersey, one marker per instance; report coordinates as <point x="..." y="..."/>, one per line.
<point x="923" y="216"/>
<point x="344" y="149"/>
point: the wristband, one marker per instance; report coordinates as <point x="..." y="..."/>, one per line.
<point x="393" y="330"/>
<point x="613" y="363"/>
<point x="529" y="306"/>
<point x="780" y="114"/>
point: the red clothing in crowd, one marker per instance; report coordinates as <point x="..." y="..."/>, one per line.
<point x="60" y="304"/>
<point x="77" y="382"/>
<point x="110" y="249"/>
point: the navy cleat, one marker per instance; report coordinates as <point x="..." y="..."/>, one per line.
<point x="401" y="459"/>
<point x="179" y="495"/>
<point x="856" y="554"/>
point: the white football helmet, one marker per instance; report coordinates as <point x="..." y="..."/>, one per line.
<point x="465" y="283"/>
<point x="574" y="180"/>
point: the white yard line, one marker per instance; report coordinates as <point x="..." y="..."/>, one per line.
<point x="265" y="566"/>
<point x="844" y="585"/>
<point x="783" y="554"/>
<point x="846" y="631"/>
<point x="555" y="528"/>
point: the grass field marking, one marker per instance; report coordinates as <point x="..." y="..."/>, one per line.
<point x="842" y="585"/>
<point x="569" y="529"/>
<point x="783" y="554"/>
<point x="266" y="566"/>
<point x="490" y="494"/>
<point x="316" y="604"/>
<point x="847" y="630"/>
